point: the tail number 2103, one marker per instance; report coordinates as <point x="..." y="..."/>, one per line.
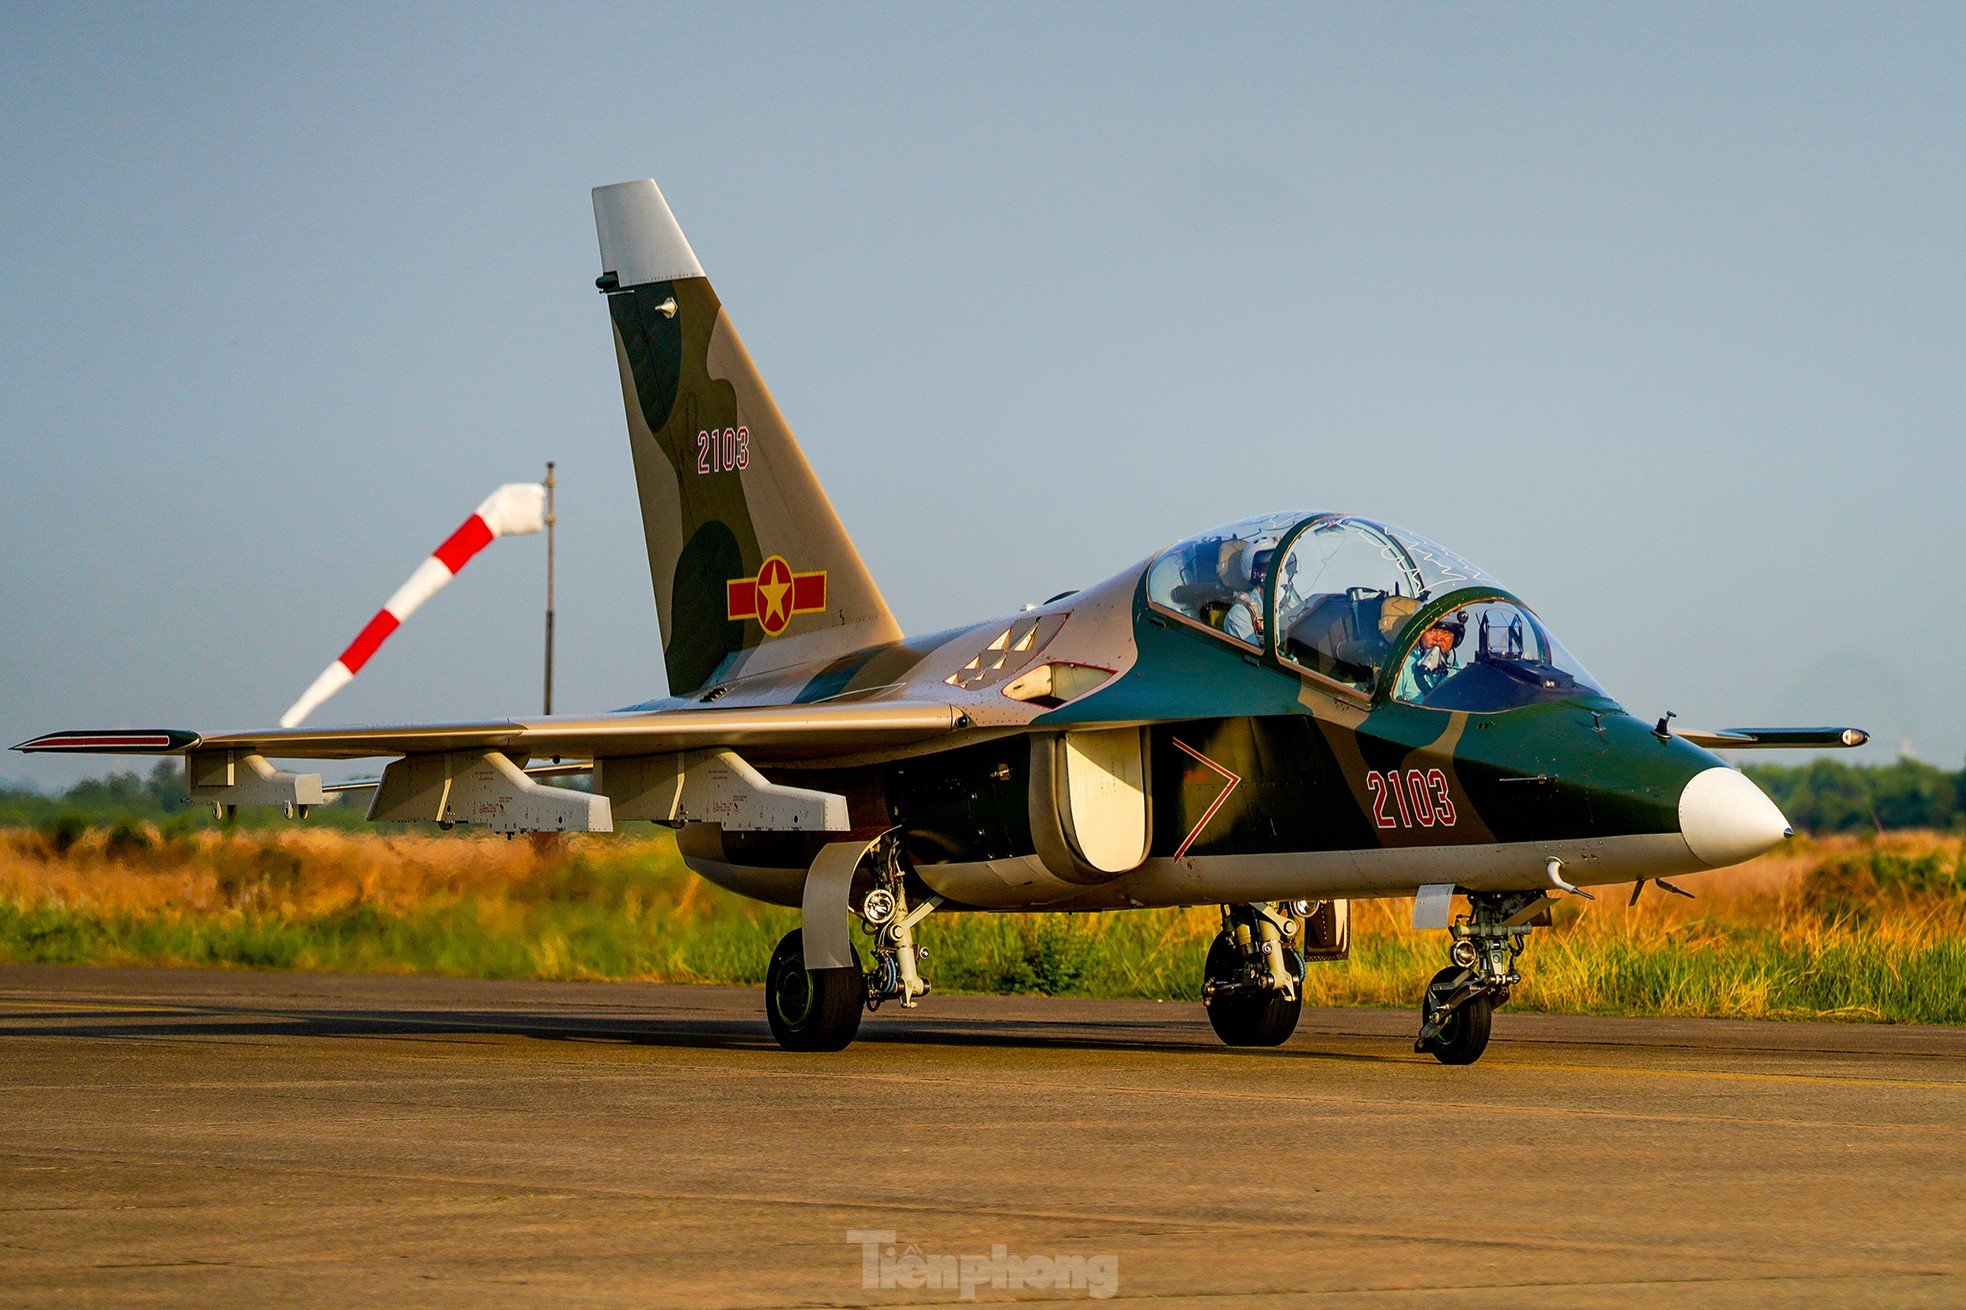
<point x="727" y="451"/>
<point x="1416" y="798"/>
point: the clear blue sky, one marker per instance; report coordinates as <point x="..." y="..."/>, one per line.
<point x="1659" y="313"/>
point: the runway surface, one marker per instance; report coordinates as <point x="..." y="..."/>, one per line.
<point x="226" y="1138"/>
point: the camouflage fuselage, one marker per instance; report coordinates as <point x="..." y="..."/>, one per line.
<point x="1263" y="782"/>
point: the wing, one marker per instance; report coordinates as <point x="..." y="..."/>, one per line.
<point x="765" y="733"/>
<point x="668" y="766"/>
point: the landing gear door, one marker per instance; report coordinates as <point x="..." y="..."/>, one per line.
<point x="1328" y="931"/>
<point x="1090" y="807"/>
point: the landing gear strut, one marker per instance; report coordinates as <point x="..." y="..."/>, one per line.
<point x="1253" y="979"/>
<point x="896" y="974"/>
<point x="1460" y="1002"/>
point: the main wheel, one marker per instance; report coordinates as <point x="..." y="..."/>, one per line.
<point x="1464" y="1036"/>
<point x="1247" y="1017"/>
<point x="811" y="1009"/>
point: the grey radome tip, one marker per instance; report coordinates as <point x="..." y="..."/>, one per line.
<point x="641" y="241"/>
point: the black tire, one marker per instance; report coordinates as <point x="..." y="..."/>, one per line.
<point x="811" y="1010"/>
<point x="1464" y="1036"/>
<point x="1248" y="1018"/>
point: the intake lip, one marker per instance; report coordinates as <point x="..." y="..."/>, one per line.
<point x="1726" y="819"/>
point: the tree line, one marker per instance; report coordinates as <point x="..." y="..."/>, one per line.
<point x="1831" y="796"/>
<point x="157" y="797"/>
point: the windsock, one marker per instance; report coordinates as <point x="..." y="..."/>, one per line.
<point x="514" y="510"/>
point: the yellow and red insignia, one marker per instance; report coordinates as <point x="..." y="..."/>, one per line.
<point x="776" y="594"/>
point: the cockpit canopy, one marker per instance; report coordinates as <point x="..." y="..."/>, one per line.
<point x="1342" y="598"/>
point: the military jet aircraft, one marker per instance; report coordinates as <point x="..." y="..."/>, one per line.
<point x="1275" y="717"/>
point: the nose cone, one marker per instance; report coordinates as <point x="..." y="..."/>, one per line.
<point x="1726" y="819"/>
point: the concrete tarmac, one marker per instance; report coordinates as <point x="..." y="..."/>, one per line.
<point x="228" y="1138"/>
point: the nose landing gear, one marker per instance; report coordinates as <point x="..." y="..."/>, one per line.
<point x="1460" y="1002"/>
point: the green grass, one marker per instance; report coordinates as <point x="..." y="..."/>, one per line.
<point x="1850" y="931"/>
<point x="1738" y="971"/>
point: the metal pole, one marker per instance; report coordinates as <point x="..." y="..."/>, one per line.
<point x="549" y="586"/>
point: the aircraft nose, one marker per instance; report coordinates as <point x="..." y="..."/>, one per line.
<point x="1725" y="818"/>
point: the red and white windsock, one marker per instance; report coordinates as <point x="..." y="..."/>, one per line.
<point x="512" y="511"/>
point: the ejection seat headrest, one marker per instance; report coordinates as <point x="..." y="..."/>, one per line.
<point x="1394" y="611"/>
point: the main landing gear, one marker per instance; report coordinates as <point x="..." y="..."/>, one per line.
<point x="811" y="1009"/>
<point x="1252" y="982"/>
<point x="1460" y="1001"/>
<point x="815" y="993"/>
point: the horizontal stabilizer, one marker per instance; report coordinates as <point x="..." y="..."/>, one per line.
<point x="1747" y="739"/>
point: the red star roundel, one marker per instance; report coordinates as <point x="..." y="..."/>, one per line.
<point x="776" y="594"/>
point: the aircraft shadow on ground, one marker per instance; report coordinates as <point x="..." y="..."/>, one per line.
<point x="702" y="1032"/>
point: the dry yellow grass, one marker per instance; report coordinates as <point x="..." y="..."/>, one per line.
<point x="295" y="871"/>
<point x="299" y="871"/>
<point x="1835" y="926"/>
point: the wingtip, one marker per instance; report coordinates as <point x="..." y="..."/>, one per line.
<point x="1782" y="738"/>
<point x="110" y="741"/>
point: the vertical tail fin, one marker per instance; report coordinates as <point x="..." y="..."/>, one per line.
<point x="752" y="569"/>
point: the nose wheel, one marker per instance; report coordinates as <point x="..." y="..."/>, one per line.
<point x="1461" y="1033"/>
<point x="1459" y="1006"/>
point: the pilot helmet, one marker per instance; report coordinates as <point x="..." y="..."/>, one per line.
<point x="1262" y="553"/>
